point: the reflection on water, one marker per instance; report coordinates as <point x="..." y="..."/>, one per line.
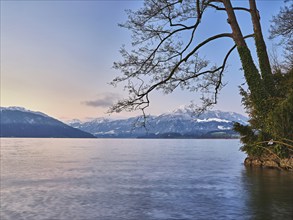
<point x="108" y="179"/>
<point x="269" y="193"/>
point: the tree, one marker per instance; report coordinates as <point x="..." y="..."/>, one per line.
<point x="282" y="26"/>
<point x="166" y="63"/>
<point x="166" y="56"/>
<point x="278" y="120"/>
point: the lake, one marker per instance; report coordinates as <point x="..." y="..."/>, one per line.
<point x="136" y="179"/>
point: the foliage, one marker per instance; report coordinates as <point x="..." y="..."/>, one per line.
<point x="275" y="121"/>
<point x="278" y="123"/>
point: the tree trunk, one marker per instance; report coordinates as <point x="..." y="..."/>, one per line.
<point x="255" y="83"/>
<point x="263" y="58"/>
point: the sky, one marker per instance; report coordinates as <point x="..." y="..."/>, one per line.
<point x="57" y="57"/>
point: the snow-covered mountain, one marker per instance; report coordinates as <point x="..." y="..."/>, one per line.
<point x="20" y="122"/>
<point x="17" y="108"/>
<point x="179" y="123"/>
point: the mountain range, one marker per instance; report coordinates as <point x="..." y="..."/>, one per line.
<point x="20" y="122"/>
<point x="181" y="123"/>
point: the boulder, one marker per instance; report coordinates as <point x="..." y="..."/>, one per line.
<point x="287" y="163"/>
<point x="284" y="164"/>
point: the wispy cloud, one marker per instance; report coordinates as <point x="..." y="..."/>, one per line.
<point x="103" y="100"/>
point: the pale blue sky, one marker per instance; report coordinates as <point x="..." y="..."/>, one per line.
<point x="57" y="56"/>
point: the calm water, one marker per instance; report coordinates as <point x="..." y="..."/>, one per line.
<point x="112" y="179"/>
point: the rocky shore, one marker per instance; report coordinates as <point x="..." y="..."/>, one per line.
<point x="281" y="164"/>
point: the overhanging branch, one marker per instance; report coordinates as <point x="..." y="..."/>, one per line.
<point x="223" y="9"/>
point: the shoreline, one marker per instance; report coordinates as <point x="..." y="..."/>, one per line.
<point x="285" y="164"/>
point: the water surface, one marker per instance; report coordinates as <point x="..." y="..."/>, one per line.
<point x="133" y="179"/>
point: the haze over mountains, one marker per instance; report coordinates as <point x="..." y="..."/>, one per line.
<point x="181" y="123"/>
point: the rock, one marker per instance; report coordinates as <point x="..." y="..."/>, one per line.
<point x="247" y="161"/>
<point x="284" y="164"/>
<point x="270" y="164"/>
<point x="252" y="162"/>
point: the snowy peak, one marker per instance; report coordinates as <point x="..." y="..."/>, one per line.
<point x="183" y="110"/>
<point x="21" y="109"/>
<point x="225" y="116"/>
<point x="73" y="121"/>
<point x="186" y="112"/>
<point x="212" y="119"/>
<point x="180" y="122"/>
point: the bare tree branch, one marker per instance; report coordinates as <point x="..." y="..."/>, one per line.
<point x="224" y="9"/>
<point x="160" y="60"/>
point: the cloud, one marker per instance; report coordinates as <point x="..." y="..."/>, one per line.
<point x="103" y="100"/>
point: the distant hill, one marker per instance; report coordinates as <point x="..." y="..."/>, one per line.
<point x="181" y="123"/>
<point x="20" y="122"/>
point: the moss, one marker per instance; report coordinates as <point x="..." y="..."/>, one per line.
<point x="264" y="66"/>
<point x="271" y="113"/>
<point x="281" y="119"/>
<point x="256" y="86"/>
